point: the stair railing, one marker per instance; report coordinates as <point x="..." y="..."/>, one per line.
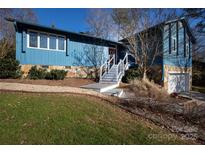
<point x="107" y="66"/>
<point x="122" y="66"/>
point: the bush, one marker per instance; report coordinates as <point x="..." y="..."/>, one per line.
<point x="36" y="73"/>
<point x="10" y="68"/>
<point x="40" y="73"/>
<point x="56" y="75"/>
<point x="145" y="88"/>
<point x="131" y="74"/>
<point x="155" y="74"/>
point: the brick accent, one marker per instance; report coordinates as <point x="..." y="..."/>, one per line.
<point x="174" y="69"/>
<point x="73" y="71"/>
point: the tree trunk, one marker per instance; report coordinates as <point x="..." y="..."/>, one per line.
<point x="144" y="75"/>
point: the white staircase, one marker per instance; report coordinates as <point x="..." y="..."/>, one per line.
<point x="110" y="72"/>
<point x="110" y="77"/>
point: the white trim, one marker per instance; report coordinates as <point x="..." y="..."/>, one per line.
<point x="48" y="40"/>
<point x="38" y="40"/>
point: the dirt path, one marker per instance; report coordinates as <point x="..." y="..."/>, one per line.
<point x="5" y="86"/>
<point x="70" y="82"/>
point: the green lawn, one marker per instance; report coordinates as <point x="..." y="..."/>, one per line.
<point x="58" y="119"/>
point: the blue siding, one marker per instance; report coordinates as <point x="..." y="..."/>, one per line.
<point x="75" y="51"/>
<point x="173" y="59"/>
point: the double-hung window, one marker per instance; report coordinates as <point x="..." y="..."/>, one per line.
<point x="52" y="43"/>
<point x="187" y="46"/>
<point x="174" y="44"/>
<point x="33" y="39"/>
<point x="43" y="40"/>
<point x="61" y="43"/>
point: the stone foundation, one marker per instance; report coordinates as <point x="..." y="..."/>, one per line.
<point x="174" y="69"/>
<point x="72" y="71"/>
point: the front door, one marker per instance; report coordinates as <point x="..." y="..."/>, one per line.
<point x="112" y="51"/>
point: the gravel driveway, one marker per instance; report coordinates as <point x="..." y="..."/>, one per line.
<point x="195" y="95"/>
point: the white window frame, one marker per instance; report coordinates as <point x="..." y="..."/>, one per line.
<point x="48" y="40"/>
<point x="56" y="42"/>
<point x="28" y="39"/>
<point x="64" y="42"/>
<point x="40" y="39"/>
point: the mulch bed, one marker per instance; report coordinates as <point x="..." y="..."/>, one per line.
<point x="186" y="119"/>
<point x="71" y="82"/>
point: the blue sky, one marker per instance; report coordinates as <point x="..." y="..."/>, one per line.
<point x="68" y="19"/>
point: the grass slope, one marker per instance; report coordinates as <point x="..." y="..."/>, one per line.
<point x="58" y="119"/>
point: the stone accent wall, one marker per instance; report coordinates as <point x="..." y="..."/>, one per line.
<point x="73" y="71"/>
<point x="25" y="69"/>
<point x="174" y="69"/>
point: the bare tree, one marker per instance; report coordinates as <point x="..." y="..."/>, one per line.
<point x="7" y="31"/>
<point x="99" y="23"/>
<point x="196" y="18"/>
<point x="92" y="58"/>
<point x="142" y="44"/>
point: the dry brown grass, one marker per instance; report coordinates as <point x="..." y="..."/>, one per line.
<point x="145" y="88"/>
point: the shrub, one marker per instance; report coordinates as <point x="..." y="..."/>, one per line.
<point x="131" y="74"/>
<point x="36" y="73"/>
<point x="9" y="68"/>
<point x="56" y="75"/>
<point x="155" y="74"/>
<point x="145" y="88"/>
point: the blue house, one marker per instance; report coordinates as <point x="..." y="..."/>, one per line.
<point x="53" y="48"/>
<point x="173" y="42"/>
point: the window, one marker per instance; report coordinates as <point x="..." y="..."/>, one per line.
<point x="46" y="41"/>
<point x="33" y="39"/>
<point x="174" y="43"/>
<point x="187" y="49"/>
<point x="61" y="44"/>
<point x="52" y="43"/>
<point x="187" y="45"/>
<point x="43" y="40"/>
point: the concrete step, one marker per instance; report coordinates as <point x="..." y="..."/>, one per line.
<point x="109" y="79"/>
<point x="114" y="92"/>
<point x="109" y="76"/>
<point x="108" y="82"/>
<point x="101" y="87"/>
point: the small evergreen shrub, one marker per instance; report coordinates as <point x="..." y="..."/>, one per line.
<point x="10" y="68"/>
<point x="56" y="75"/>
<point x="131" y="74"/>
<point x="36" y="73"/>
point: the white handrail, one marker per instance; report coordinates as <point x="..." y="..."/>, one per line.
<point x="121" y="66"/>
<point x="107" y="66"/>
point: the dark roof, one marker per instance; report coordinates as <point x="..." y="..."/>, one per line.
<point x="184" y="21"/>
<point x="18" y="24"/>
